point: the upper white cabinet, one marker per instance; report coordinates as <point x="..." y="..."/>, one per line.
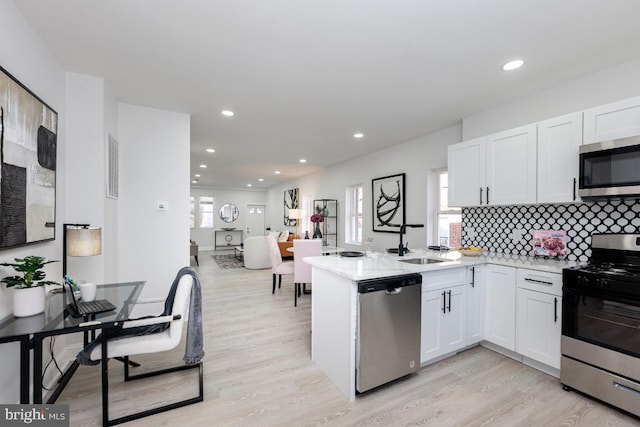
<point x="466" y="168"/>
<point x="611" y="121"/>
<point x="498" y="169"/>
<point x="511" y="166"/>
<point x="559" y="141"/>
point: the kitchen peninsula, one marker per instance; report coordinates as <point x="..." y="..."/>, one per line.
<point x="335" y="302"/>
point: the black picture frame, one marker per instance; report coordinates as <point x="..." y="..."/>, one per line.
<point x="28" y="165"/>
<point x="388" y="203"/>
<point x="291" y="201"/>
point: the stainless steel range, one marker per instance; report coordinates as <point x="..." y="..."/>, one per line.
<point x="601" y="323"/>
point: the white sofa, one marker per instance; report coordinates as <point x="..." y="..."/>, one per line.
<point x="256" y="253"/>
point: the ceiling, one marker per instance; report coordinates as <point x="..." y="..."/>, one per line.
<point x="302" y="76"/>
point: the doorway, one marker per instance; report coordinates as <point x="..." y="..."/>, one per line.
<point x="255" y="221"/>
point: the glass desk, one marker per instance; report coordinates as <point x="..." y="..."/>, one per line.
<point x="56" y="320"/>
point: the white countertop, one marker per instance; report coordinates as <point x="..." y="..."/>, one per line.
<point x="385" y="265"/>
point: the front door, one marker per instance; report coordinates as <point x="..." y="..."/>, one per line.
<point x="255" y="221"/>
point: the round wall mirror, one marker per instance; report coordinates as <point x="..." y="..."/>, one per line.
<point x="228" y="212"/>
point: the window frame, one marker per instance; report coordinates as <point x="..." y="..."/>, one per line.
<point x="438" y="211"/>
<point x="354" y="214"/>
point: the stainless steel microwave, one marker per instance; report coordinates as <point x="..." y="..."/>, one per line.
<point x="610" y="169"/>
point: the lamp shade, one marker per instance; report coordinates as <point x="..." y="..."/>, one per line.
<point x="295" y="213"/>
<point x="84" y="241"/>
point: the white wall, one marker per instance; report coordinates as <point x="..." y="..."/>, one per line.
<point x="415" y="158"/>
<point x="205" y="236"/>
<point x="24" y="55"/>
<point x="154" y="159"/>
<point x="85" y="156"/>
<point x="595" y="89"/>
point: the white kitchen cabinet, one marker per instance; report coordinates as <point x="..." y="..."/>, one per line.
<point x="539" y="316"/>
<point x="498" y="169"/>
<point x="611" y="121"/>
<point x="511" y="166"/>
<point x="559" y="141"/>
<point x="443" y="328"/>
<point x="475" y="304"/>
<point x="466" y="168"/>
<point x="500" y="306"/>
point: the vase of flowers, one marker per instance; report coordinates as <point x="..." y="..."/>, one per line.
<point x="317" y="218"/>
<point x="28" y="288"/>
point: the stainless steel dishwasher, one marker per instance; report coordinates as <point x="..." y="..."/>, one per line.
<point x="388" y="338"/>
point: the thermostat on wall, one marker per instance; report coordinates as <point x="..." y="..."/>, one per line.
<point x="162" y="206"/>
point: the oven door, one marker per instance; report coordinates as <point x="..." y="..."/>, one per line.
<point x="609" y="169"/>
<point x="593" y="316"/>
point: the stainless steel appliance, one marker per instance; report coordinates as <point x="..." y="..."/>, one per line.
<point x="610" y="168"/>
<point x="601" y="323"/>
<point x="388" y="339"/>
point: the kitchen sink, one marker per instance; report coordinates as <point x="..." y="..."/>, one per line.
<point x="421" y="260"/>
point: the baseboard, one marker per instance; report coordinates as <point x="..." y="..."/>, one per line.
<point x="509" y="353"/>
<point x="541" y="367"/>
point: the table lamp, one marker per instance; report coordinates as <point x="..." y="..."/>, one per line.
<point x="80" y="240"/>
<point x="297" y="215"/>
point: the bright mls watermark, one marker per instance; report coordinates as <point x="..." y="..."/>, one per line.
<point x="34" y="415"/>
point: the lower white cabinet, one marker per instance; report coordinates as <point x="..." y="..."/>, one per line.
<point x="539" y="316"/>
<point x="500" y="306"/>
<point x="444" y="318"/>
<point x="475" y="304"/>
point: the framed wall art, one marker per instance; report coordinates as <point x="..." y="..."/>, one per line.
<point x="388" y="198"/>
<point x="28" y="139"/>
<point x="291" y="201"/>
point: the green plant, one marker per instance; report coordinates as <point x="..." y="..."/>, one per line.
<point x="31" y="269"/>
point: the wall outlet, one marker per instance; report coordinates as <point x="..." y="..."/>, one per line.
<point x="516" y="235"/>
<point x="470" y="232"/>
<point x="162" y="206"/>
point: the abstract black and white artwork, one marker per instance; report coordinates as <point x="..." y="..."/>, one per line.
<point x="388" y="203"/>
<point x="291" y="201"/>
<point x="28" y="139"/>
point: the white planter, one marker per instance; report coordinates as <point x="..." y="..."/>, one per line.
<point x="28" y="301"/>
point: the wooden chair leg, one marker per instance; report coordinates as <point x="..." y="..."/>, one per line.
<point x="295" y="294"/>
<point x="274" y="284"/>
<point x="197" y="263"/>
<point x="279" y="281"/>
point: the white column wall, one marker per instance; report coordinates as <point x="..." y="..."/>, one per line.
<point x="24" y="55"/>
<point x="154" y="160"/>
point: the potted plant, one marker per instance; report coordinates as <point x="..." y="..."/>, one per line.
<point x="317" y="218"/>
<point x="28" y="293"/>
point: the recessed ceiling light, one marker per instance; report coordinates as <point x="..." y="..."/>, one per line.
<point x="277" y="172"/>
<point x="203" y="166"/>
<point x="303" y="160"/>
<point x="512" y="65"/>
<point x="197" y="175"/>
<point x="358" y="135"/>
<point x="195" y="181"/>
<point x="260" y="179"/>
<point x="210" y="150"/>
<point x="227" y="113"/>
<point x="249" y="185"/>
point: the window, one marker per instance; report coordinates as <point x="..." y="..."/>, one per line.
<point x="205" y="204"/>
<point x="449" y="220"/>
<point x="353" y="222"/>
<point x="192" y="212"/>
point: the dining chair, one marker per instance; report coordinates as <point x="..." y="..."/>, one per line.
<point x="278" y="267"/>
<point x="151" y="335"/>
<point x="302" y="270"/>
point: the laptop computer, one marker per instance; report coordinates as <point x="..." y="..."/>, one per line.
<point x="85" y="308"/>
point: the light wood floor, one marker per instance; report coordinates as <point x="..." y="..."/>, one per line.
<point x="258" y="372"/>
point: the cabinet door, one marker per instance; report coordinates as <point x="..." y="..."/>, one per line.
<point x="433" y="304"/>
<point x="455" y="320"/>
<point x="500" y="306"/>
<point x="559" y="140"/>
<point x="475" y="304"/>
<point x="511" y="166"/>
<point x="466" y="169"/>
<point x="616" y="120"/>
<point x="539" y="327"/>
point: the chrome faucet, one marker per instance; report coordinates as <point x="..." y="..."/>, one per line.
<point x="403" y="228"/>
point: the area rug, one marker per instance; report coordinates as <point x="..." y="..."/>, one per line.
<point x="228" y="261"/>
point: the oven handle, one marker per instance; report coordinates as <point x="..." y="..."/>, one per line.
<point x="626" y="388"/>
